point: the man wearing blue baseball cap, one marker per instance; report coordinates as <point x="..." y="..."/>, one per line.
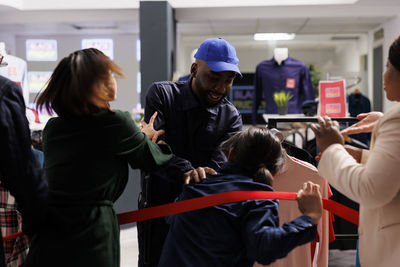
<point x="196" y="117"/>
<point x="219" y="55"/>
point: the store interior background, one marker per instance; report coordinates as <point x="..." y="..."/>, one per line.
<point x="338" y="39"/>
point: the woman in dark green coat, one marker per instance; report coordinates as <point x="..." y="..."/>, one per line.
<point x="87" y="150"/>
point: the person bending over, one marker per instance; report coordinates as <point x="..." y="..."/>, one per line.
<point x="241" y="233"/>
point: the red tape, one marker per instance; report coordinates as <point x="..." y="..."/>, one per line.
<point x="219" y="199"/>
<point x="228" y="197"/>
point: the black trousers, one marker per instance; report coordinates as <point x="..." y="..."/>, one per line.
<point x="2" y="256"/>
<point x="151" y="237"/>
<point x="152" y="233"/>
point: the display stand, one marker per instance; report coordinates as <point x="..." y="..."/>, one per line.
<point x="273" y="119"/>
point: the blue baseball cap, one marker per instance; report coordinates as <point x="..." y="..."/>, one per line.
<point x="219" y="55"/>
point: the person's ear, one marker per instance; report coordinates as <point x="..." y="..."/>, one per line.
<point x="231" y="154"/>
<point x="193" y="69"/>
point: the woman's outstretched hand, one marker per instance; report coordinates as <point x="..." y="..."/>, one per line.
<point x="148" y="128"/>
<point x="365" y="125"/>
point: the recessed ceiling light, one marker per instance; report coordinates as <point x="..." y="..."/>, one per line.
<point x="278" y="36"/>
<point x="94" y="27"/>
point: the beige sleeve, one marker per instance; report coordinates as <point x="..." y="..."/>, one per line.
<point x="374" y="183"/>
<point x="364" y="156"/>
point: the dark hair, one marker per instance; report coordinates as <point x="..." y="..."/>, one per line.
<point x="258" y="151"/>
<point x="394" y="53"/>
<point x="72" y="84"/>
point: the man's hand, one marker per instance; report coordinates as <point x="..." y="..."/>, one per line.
<point x="148" y="128"/>
<point x="309" y="201"/>
<point x="365" y="125"/>
<point x="198" y="174"/>
<point x="327" y="133"/>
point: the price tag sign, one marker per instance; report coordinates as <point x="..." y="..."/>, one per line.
<point x="332" y="99"/>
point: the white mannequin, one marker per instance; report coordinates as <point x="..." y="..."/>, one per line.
<point x="15" y="70"/>
<point x="2" y="54"/>
<point x="3" y="48"/>
<point x="280" y="54"/>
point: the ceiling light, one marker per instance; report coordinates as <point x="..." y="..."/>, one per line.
<point x="345" y="38"/>
<point x="281" y="36"/>
<point x="94" y="27"/>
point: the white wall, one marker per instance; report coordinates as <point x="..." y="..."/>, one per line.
<point x="341" y="60"/>
<point x="391" y="31"/>
<point x="124" y="56"/>
<point x="347" y="58"/>
<point x="249" y="57"/>
<point x="9" y="40"/>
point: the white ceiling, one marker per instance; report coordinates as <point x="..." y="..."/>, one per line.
<point x="317" y="25"/>
<point x="240" y="22"/>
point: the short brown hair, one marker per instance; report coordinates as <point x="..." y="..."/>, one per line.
<point x="72" y="83"/>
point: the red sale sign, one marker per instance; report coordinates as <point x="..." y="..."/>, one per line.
<point x="290" y="83"/>
<point x="332" y="99"/>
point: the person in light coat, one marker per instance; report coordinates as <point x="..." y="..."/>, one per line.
<point x="370" y="177"/>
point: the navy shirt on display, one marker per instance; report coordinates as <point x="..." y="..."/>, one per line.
<point x="233" y="234"/>
<point x="291" y="76"/>
<point x="357" y="104"/>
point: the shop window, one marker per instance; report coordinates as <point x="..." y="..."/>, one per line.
<point x="105" y="45"/>
<point x="37" y="80"/>
<point x="41" y="50"/>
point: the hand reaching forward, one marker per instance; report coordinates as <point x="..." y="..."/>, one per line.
<point x="327" y="133"/>
<point x="148" y="128"/>
<point x="197" y="174"/>
<point x="309" y="201"/>
<point x="365" y="125"/>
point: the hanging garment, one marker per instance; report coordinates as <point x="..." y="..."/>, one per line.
<point x="291" y="76"/>
<point x="296" y="173"/>
<point x="357" y="104"/>
<point x="16" y="71"/>
<point x="15" y="250"/>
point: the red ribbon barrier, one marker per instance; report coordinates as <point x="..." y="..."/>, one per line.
<point x="228" y="197"/>
<point x="219" y="199"/>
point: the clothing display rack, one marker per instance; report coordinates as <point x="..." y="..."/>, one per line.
<point x="345" y="233"/>
<point x="273" y="119"/>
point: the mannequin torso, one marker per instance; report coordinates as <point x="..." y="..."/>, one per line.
<point x="15" y="69"/>
<point x="280" y="54"/>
